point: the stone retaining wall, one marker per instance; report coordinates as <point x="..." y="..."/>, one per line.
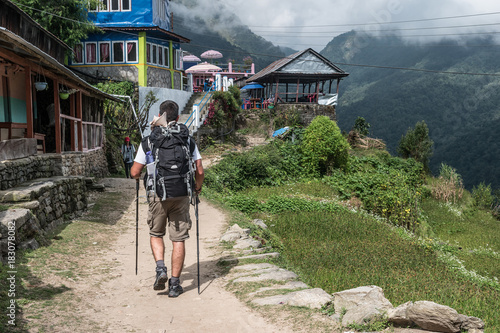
<point x="308" y="111"/>
<point x="39" y="206"/>
<point x="90" y="163"/>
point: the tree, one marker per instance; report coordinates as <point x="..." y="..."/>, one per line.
<point x="361" y="126"/>
<point x="323" y="146"/>
<point x="417" y="144"/>
<point x="67" y="19"/>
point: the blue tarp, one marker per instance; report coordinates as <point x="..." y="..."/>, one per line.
<point x="252" y="86"/>
<point x="280" y="131"/>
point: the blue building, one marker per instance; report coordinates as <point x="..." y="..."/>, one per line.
<point x="137" y="45"/>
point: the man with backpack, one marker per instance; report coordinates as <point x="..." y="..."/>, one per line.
<point x="170" y="188"/>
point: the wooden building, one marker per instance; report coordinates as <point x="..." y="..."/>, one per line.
<point x="39" y="97"/>
<point x="303" y="77"/>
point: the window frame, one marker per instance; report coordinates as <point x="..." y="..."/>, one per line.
<point x="113" y="51"/>
<point x="154" y="53"/>
<point x="166" y="55"/>
<point x="110" y="4"/>
<point x="99" y="52"/>
<point x="148" y="53"/>
<point x="129" y="5"/>
<point x="160" y="55"/>
<point x="136" y="52"/>
<point x="86" y="53"/>
<point x="178" y="56"/>
<point x="73" y="60"/>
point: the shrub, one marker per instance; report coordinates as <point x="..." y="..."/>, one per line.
<point x="361" y="126"/>
<point x="481" y="196"/>
<point x="417" y="144"/>
<point x="449" y="186"/>
<point x="224" y="108"/>
<point x="323" y="147"/>
<point x="271" y="164"/>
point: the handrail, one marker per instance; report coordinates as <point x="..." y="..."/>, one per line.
<point x="197" y="108"/>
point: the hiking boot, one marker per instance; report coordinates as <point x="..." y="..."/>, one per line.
<point x="161" y="278"/>
<point x="174" y="290"/>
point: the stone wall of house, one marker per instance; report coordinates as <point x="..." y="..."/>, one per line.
<point x="18" y="171"/>
<point x="177" y="80"/>
<point x="125" y="73"/>
<point x="159" y="78"/>
<point x="39" y="206"/>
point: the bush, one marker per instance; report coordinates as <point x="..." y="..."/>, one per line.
<point x="267" y="165"/>
<point x="448" y="186"/>
<point x="323" y="147"/>
<point x="417" y="144"/>
<point x="481" y="196"/>
<point x="361" y="126"/>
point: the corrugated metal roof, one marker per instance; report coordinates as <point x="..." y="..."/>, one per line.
<point x="304" y="64"/>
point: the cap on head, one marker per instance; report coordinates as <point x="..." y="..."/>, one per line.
<point x="127" y="138"/>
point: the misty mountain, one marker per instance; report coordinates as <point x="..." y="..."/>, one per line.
<point x="211" y="25"/>
<point x="461" y="111"/>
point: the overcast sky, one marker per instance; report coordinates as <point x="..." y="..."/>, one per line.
<point x="300" y="24"/>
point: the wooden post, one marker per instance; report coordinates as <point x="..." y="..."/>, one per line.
<point x="79" y="116"/>
<point x="57" y="116"/>
<point x="297" y="93"/>
<point x="29" y="101"/>
<point x="317" y="91"/>
<point x="72" y="99"/>
<point x="277" y="91"/>
<point x="338" y="83"/>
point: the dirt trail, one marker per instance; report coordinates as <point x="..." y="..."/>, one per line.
<point x="128" y="303"/>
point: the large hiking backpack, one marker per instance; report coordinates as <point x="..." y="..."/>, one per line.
<point x="172" y="150"/>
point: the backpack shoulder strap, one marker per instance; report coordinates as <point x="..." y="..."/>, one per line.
<point x="145" y="143"/>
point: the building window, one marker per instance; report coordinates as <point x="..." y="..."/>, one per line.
<point x="166" y="56"/>
<point x="118" y="52"/>
<point x="104" y="53"/>
<point x="160" y="56"/>
<point x="115" y="5"/>
<point x="131" y="51"/>
<point x="91" y="53"/>
<point x="178" y="61"/>
<point x="148" y="53"/>
<point x="111" y="5"/>
<point x="154" y="54"/>
<point x="125" y="5"/>
<point x="78" y="54"/>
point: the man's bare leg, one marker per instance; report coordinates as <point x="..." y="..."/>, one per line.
<point x="157" y="247"/>
<point x="178" y="254"/>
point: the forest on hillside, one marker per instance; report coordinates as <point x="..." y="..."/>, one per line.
<point x="462" y="111"/>
<point x="215" y="27"/>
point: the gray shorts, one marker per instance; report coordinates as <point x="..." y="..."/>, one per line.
<point x="173" y="212"/>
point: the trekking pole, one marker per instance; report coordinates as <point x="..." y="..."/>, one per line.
<point x="197" y="240"/>
<point x="136" y="223"/>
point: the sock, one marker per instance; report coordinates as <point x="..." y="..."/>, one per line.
<point x="174" y="280"/>
<point x="160" y="263"/>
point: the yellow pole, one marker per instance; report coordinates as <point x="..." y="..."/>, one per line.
<point x="142" y="66"/>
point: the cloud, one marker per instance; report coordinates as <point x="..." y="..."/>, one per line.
<point x="297" y="23"/>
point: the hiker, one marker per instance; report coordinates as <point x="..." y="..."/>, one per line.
<point x="172" y="210"/>
<point x="128" y="151"/>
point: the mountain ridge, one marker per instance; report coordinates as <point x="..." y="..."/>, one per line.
<point x="461" y="111"/>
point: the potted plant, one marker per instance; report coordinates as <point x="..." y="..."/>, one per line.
<point x="63" y="94"/>
<point x="40" y="85"/>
